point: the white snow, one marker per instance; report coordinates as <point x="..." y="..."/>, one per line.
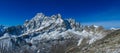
<point x="79" y="42"/>
<point x="95" y="26"/>
<point x="115" y="28"/>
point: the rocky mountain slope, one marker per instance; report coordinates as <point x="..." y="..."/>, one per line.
<point x="109" y="44"/>
<point x="44" y="34"/>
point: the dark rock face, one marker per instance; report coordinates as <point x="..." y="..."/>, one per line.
<point x="2" y="29"/>
<point x="14" y="30"/>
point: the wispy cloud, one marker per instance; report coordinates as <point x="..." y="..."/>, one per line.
<point x="106" y="24"/>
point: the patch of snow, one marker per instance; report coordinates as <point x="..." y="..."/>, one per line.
<point x="95" y="26"/>
<point x="79" y="42"/>
<point x="115" y="28"/>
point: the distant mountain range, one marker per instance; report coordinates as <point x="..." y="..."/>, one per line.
<point x="44" y="34"/>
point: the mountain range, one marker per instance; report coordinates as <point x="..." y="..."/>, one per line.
<point x="53" y="34"/>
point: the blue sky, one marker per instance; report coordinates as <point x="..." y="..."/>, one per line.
<point x="87" y="12"/>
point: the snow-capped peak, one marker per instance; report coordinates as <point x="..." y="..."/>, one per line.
<point x="115" y="28"/>
<point x="95" y="26"/>
<point x="38" y="16"/>
<point x="41" y="19"/>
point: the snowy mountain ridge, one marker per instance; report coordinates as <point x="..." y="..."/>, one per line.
<point x="49" y="30"/>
